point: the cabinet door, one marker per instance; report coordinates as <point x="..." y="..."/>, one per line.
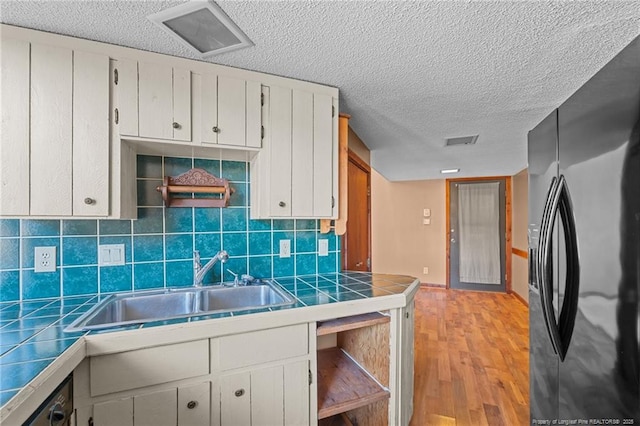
<point x="231" y="111"/>
<point x="90" y="134"/>
<point x="254" y="114"/>
<point x="181" y="123"/>
<point x="209" y="108"/>
<point x="194" y="405"/>
<point x="235" y="399"/>
<point x="267" y="396"/>
<point x="296" y="393"/>
<point x="324" y="145"/>
<point x="279" y="161"/>
<point x="126" y="96"/>
<point x="114" y="413"/>
<point x="14" y="137"/>
<point x="302" y="172"/>
<point x="155" y="97"/>
<point x="157" y="408"/>
<point x="51" y="131"/>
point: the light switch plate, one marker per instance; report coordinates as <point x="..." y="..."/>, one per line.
<point x="111" y="254"/>
<point x="285" y="248"/>
<point x="323" y="247"/>
<point x="426" y="221"/>
<point x="427" y="212"/>
<point x="44" y="259"/>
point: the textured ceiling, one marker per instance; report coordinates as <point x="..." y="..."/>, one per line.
<point x="409" y="73"/>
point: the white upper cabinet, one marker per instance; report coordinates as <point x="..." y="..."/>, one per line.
<point x="154" y="100"/>
<point x="55" y="132"/>
<point x="296" y="174"/>
<point x="230" y="111"/>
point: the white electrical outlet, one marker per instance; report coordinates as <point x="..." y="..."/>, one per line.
<point x="285" y="248"/>
<point x="44" y="259"/>
<point x="425" y="270"/>
<point x="426" y="221"/>
<point x="323" y="247"/>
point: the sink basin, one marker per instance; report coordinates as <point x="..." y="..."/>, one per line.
<point x="139" y="307"/>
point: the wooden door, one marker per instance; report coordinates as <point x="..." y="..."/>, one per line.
<point x="118" y="412"/>
<point x="356" y="243"/>
<point x="155" y="93"/>
<point x="194" y="404"/>
<point x="235" y="399"/>
<point x="181" y="92"/>
<point x="157" y="408"/>
<point x="231" y="111"/>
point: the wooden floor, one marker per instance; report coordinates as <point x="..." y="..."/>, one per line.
<point x="472" y="359"/>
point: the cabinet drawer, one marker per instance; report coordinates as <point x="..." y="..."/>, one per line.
<point x="146" y="367"/>
<point x="259" y="347"/>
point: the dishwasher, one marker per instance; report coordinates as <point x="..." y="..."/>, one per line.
<point x="57" y="409"/>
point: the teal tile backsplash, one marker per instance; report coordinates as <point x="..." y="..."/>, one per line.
<point x="159" y="245"/>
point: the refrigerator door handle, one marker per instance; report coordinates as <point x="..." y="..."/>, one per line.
<point x="544" y="260"/>
<point x="569" y="308"/>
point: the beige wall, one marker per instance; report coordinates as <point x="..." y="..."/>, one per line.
<point x="520" y="203"/>
<point x="356" y="145"/>
<point x="400" y="242"/>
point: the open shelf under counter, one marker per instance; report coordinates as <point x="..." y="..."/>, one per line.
<point x="343" y="385"/>
<point x="351" y="322"/>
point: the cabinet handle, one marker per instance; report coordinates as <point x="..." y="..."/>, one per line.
<point x="89" y="201"/>
<point x="239" y="392"/>
<point x="192" y="404"/>
<point x="117" y="116"/>
<point x="282" y="204"/>
<point x="215" y="129"/>
<point x="176" y="125"/>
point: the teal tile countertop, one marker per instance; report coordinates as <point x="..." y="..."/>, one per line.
<point x="32" y="332"/>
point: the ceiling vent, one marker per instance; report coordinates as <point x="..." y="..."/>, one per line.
<point x="203" y="27"/>
<point x="463" y="140"/>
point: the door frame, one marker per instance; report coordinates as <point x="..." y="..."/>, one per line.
<point x="508" y="209"/>
<point x="354" y="159"/>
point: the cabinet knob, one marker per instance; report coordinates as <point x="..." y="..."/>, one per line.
<point x="282" y="204"/>
<point x="176" y="125"/>
<point x="215" y="129"/>
<point x="239" y="392"/>
<point x="89" y="201"/>
<point x="192" y="404"/>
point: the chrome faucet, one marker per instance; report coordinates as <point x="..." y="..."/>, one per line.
<point x="199" y="271"/>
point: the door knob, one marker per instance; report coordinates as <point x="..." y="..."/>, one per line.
<point x="192" y="404"/>
<point x="215" y="129"/>
<point x="239" y="393"/>
<point x="453" y="240"/>
<point x="282" y="204"/>
<point x="88" y="201"/>
<point x="359" y="264"/>
<point x="176" y="125"/>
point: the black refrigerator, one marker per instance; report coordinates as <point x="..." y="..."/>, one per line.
<point x="584" y="252"/>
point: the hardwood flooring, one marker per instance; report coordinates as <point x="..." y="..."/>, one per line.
<point x="472" y="359"/>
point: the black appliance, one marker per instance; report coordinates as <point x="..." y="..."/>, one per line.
<point x="57" y="409"/>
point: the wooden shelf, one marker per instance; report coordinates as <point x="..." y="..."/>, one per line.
<point x="350" y="323"/>
<point x="343" y="385"/>
<point x="337" y="420"/>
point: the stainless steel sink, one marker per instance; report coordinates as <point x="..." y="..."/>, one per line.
<point x="140" y="307"/>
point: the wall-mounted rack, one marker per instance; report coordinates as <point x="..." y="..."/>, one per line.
<point x="195" y="181"/>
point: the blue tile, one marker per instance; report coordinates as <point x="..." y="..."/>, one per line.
<point x="12" y="377"/>
<point x="208" y="244"/>
<point x="9" y="285"/>
<point x="306" y="224"/>
<point x="44" y="228"/>
<point x="260" y="225"/>
<point x="115" y="227"/>
<point x="283" y="267"/>
<point x="5" y="396"/>
<point x="234" y="171"/>
<point x="56" y="332"/>
<point x="207" y="219"/>
<point x="149" y="221"/>
<point x="126" y="240"/>
<point x="334" y="241"/>
<point x="115" y="278"/>
<point x="176" y="166"/>
<point x="234" y="219"/>
<point x="259" y="243"/>
<point x="235" y="243"/>
<point x="29" y="245"/>
<point x="210" y="166"/>
<point x="179" y="274"/>
<point x="40" y="285"/>
<point x="277" y="236"/>
<point x="31" y="323"/>
<point x="9" y="227"/>
<point x="305" y="241"/>
<point x="260" y="266"/>
<point x="148" y="275"/>
<point x="16" y="336"/>
<point x="327" y="264"/>
<point x="79" y="251"/>
<point x="214" y="276"/>
<point x="237" y="264"/>
<point x="147" y="194"/>
<point x="147" y="248"/>
<point x="178" y="220"/>
<point x="149" y="166"/>
<point x="305" y="264"/>
<point x="79" y="227"/>
<point x="178" y="246"/>
<point x="37" y="350"/>
<point x="9" y="253"/>
<point x="82" y="280"/>
<point x="239" y="197"/>
<point x="283" y="224"/>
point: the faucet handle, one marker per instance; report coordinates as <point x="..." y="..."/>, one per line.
<point x="196" y="257"/>
<point x="246" y="279"/>
<point x="236" y="281"/>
